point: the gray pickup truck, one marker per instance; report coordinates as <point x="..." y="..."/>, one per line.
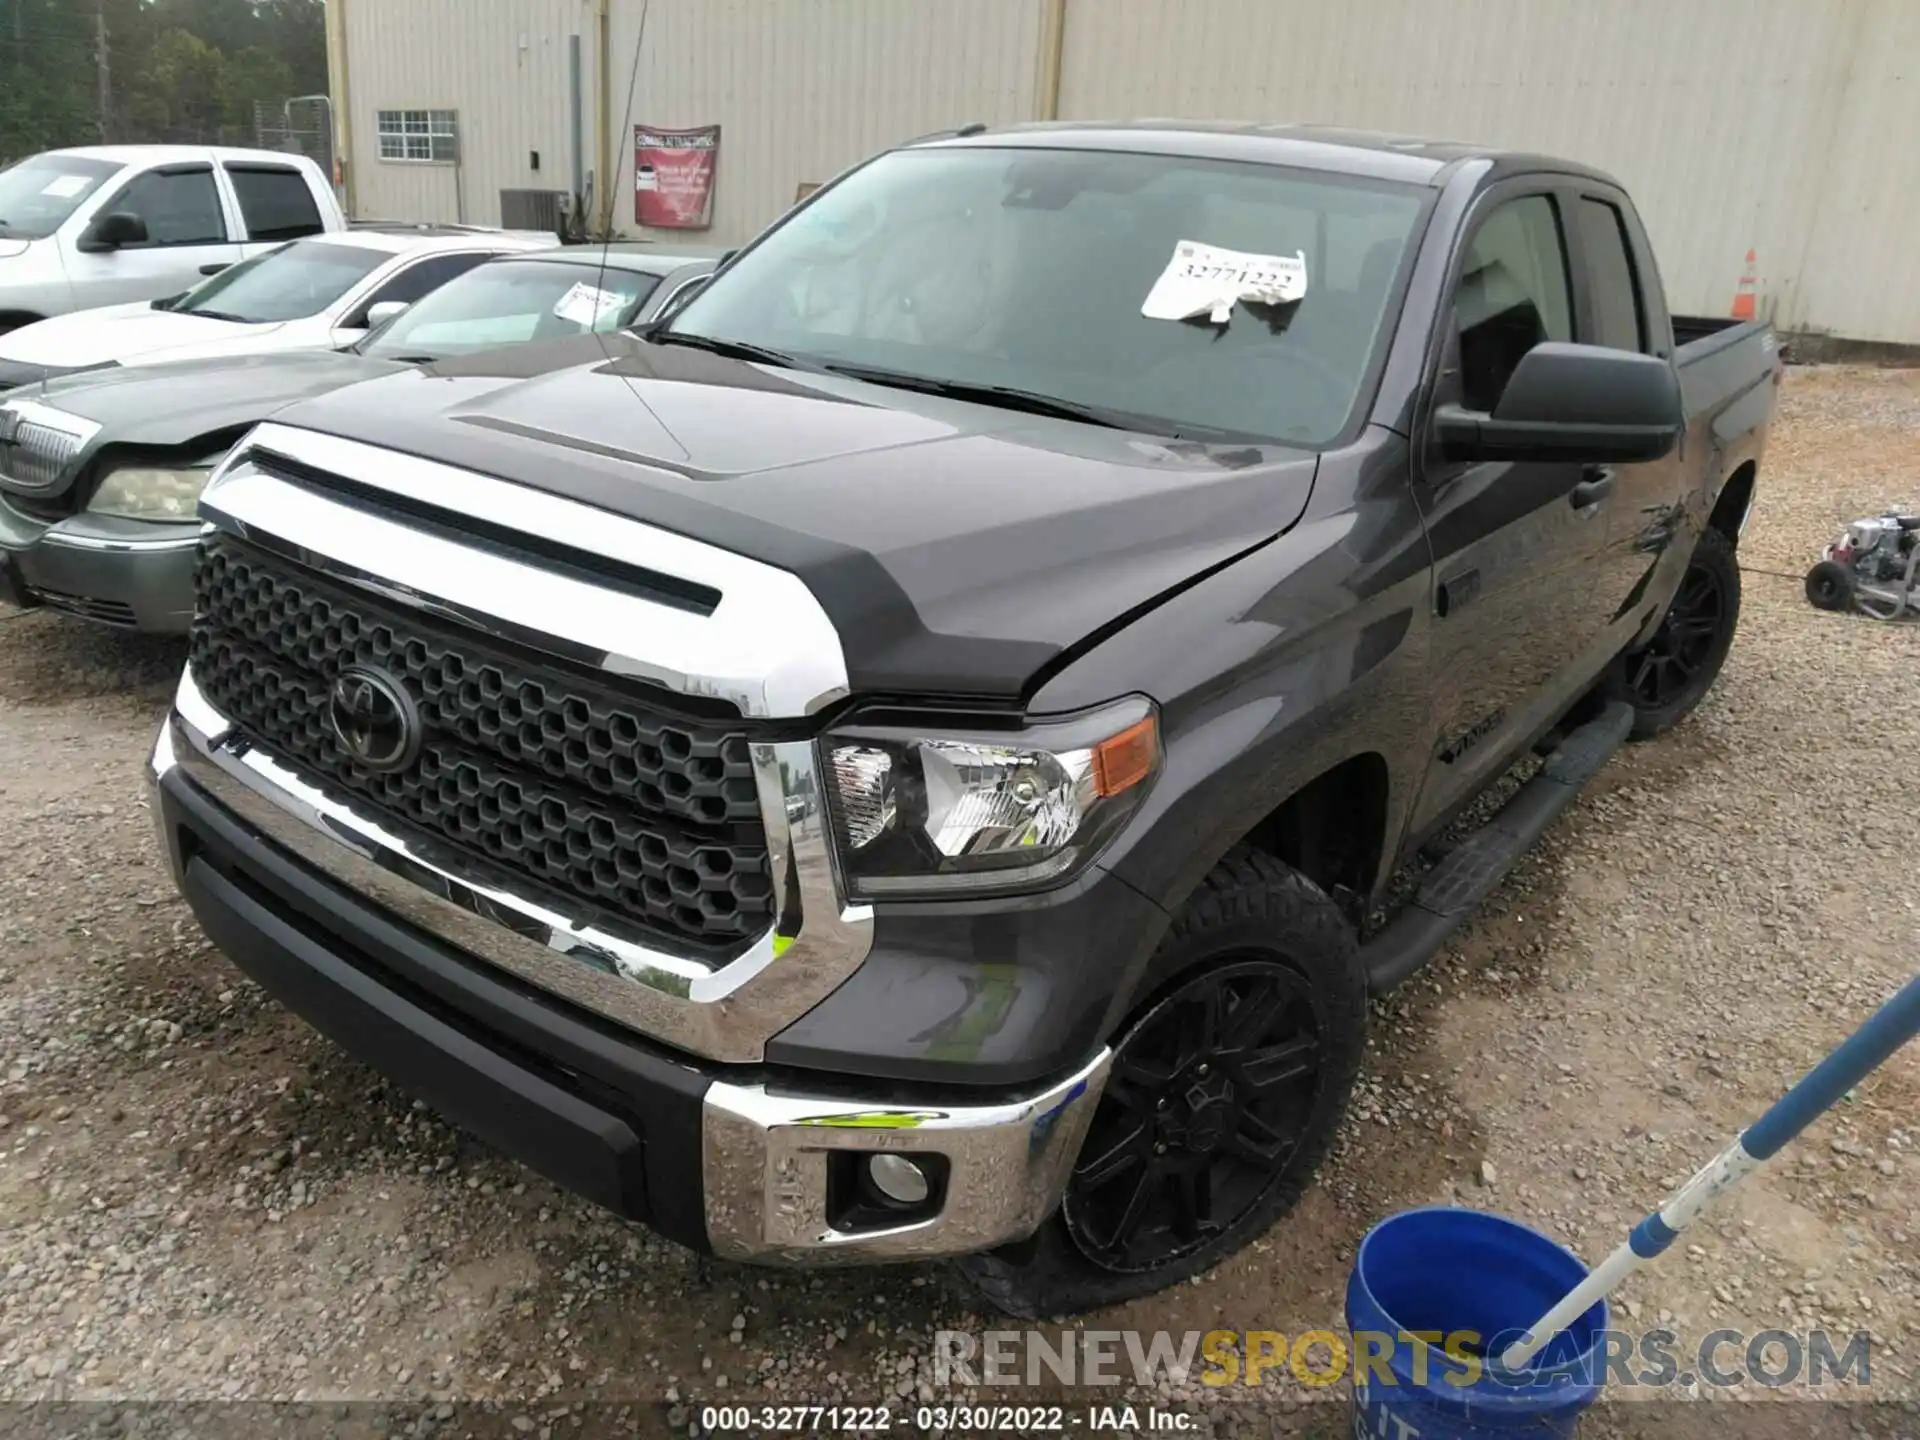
<point x="899" y="760"/>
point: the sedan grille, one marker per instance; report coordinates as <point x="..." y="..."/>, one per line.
<point x="559" y="779"/>
<point x="35" y="457"/>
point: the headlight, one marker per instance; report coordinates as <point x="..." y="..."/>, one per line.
<point x="145" y="492"/>
<point x="924" y="812"/>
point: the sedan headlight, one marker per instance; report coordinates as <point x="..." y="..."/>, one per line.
<point x="149" y="492"/>
<point x="925" y="812"/>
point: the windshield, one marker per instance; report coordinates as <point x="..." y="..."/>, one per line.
<point x="1029" y="269"/>
<point x="509" y="302"/>
<point x="37" y="195"/>
<point x="289" y="283"/>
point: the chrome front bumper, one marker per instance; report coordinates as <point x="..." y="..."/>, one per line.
<point x="766" y="1150"/>
<point x="765" y="1156"/>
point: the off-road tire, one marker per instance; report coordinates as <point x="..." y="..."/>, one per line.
<point x="1251" y="915"/>
<point x="1656" y="708"/>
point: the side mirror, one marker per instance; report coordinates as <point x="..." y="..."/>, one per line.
<point x="386" y="310"/>
<point x="1582" y="403"/>
<point x="112" y="231"/>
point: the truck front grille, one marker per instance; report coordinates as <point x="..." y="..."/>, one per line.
<point x="553" y="776"/>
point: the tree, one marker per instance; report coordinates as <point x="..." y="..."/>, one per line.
<point x="182" y="70"/>
<point x="177" y="93"/>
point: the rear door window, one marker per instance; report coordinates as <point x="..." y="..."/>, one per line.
<point x="276" y="203"/>
<point x="1617" y="320"/>
<point x="417" y="281"/>
<point x="1513" y="295"/>
<point x="178" y="207"/>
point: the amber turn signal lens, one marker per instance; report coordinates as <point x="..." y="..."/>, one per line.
<point x="1122" y="761"/>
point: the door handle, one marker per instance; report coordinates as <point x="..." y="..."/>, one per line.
<point x="1595" y="485"/>
<point x="213" y="269"/>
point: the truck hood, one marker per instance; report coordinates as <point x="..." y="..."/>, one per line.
<point x="175" y="403"/>
<point x="11" y="248"/>
<point x="960" y="549"/>
<point x="132" y="335"/>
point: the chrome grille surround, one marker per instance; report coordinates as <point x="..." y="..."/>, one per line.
<point x="765" y="648"/>
<point x="38" y="444"/>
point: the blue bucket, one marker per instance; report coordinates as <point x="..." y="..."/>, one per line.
<point x="1453" y="1271"/>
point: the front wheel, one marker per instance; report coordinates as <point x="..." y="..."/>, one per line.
<point x="1672" y="672"/>
<point x="1225" y="1092"/>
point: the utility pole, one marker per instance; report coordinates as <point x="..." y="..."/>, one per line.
<point x="104" y="65"/>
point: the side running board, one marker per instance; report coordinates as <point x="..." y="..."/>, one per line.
<point x="1466" y="875"/>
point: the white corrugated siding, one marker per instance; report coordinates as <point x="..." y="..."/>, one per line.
<point x="1784" y="126"/>
<point x="502" y="64"/>
<point x="804" y="88"/>
<point x="1860" y="275"/>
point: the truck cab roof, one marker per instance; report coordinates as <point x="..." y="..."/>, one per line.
<point x="1375" y="154"/>
<point x="168" y="154"/>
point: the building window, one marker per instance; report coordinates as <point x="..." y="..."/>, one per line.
<point x="428" y="136"/>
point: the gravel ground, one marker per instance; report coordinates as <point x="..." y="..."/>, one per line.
<point x="201" y="1200"/>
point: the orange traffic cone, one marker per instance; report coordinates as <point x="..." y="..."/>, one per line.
<point x="1743" y="297"/>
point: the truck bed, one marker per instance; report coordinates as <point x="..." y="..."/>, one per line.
<point x="1722" y="362"/>
<point x="1695" y="334"/>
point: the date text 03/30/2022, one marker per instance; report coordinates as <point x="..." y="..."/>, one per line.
<point x="963" y="1419"/>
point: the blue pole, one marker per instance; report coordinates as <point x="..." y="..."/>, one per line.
<point x="1862" y="1052"/>
<point x="1886" y="1030"/>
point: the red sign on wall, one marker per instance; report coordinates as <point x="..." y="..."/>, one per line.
<point x="673" y="176"/>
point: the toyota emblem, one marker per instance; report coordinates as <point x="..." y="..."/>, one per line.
<point x="374" y="719"/>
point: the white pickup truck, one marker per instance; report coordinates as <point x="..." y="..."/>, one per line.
<point x="109" y="224"/>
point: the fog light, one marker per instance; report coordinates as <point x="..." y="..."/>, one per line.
<point x="899" y="1179"/>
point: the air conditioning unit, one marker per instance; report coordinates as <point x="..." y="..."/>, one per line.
<point x="543" y="210"/>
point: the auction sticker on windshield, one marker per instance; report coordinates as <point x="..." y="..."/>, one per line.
<point x="1207" y="280"/>
<point x="586" y="306"/>
<point x="65" y="187"/>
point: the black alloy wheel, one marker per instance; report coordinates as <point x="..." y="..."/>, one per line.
<point x="1210" y="1096"/>
<point x="1667" y="677"/>
<point x="1684" y="645"/>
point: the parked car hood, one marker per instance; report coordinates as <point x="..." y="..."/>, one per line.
<point x="134" y="335"/>
<point x="174" y="403"/>
<point x="959" y="548"/>
<point x="10" y="247"/>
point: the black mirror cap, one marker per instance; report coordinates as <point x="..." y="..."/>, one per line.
<point x="1581" y="403"/>
<point x="113" y="231"/>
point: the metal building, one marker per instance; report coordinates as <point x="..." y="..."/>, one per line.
<point x="1781" y="127"/>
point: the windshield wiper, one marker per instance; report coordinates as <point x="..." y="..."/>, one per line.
<point x="733" y="349"/>
<point x="403" y="359"/>
<point x="1007" y="397"/>
<point x="220" y="315"/>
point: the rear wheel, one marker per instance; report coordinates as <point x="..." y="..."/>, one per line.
<point x="1667" y="677"/>
<point x="1226" y="1090"/>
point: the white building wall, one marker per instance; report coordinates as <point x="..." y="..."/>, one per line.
<point x="1783" y="126"/>
<point x="1860" y="276"/>
<point x="1773" y="125"/>
<point x="804" y="88"/>
<point x="502" y="64"/>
